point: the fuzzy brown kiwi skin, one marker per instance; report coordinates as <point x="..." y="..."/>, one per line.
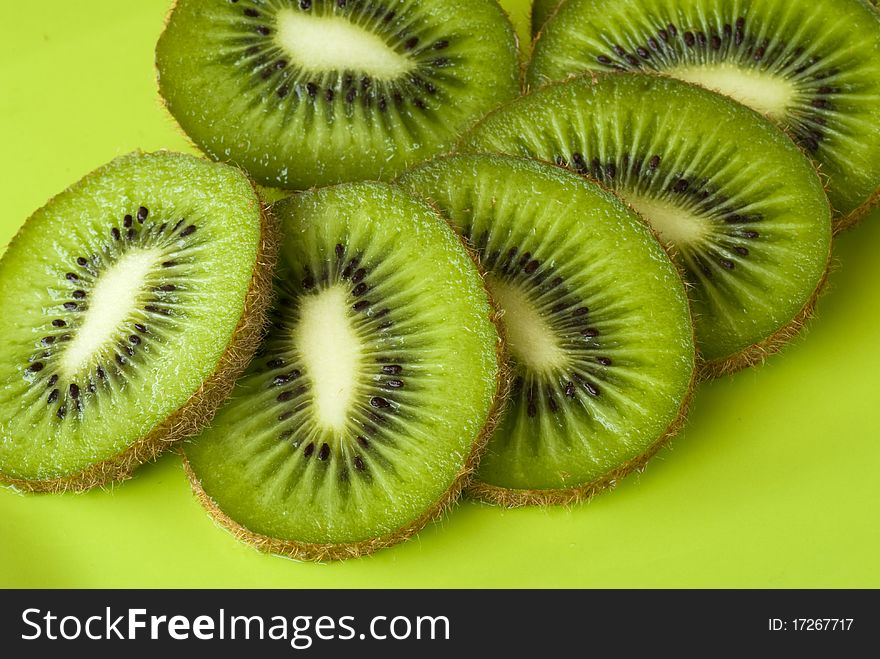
<point x="198" y="411"/>
<point x="304" y="551"/>
<point x="758" y="353"/>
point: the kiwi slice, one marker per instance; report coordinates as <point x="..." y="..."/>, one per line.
<point x="313" y="92"/>
<point x="814" y="71"/>
<point x="740" y="206"/>
<point x="597" y="321"/>
<point x="375" y="391"/>
<point x="131" y="302"/>
<point x="542" y="11"/>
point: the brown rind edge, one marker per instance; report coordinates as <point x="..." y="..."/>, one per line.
<point x="511" y="498"/>
<point x="198" y="411"/>
<point x="304" y="551"/>
<point x="758" y="353"/>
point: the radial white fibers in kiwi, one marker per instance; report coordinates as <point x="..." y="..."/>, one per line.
<point x="741" y="207"/>
<point x="597" y="322"/>
<point x="374" y="391"/>
<point x="812" y="67"/>
<point x="130" y="304"/>
<point x="305" y="93"/>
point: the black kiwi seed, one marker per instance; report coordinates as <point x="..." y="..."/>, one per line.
<point x="324" y="453"/>
<point x="53" y="396"/>
<point x="58" y="323"/>
<point x="307" y="452"/>
<point x="379" y="402"/>
<point x="74" y="391"/>
<point x="142" y="214"/>
<point x="359" y="463"/>
<point x="127" y="221"/>
<point x="285" y="397"/>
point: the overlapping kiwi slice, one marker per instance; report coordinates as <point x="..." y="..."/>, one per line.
<point x="131" y="302"/>
<point x="374" y="393"/>
<point x="739" y="205"/>
<point x="597" y="321"/>
<point x="811" y="67"/>
<point x="313" y="92"/>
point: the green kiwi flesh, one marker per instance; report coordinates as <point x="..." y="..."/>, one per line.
<point x="131" y="303"/>
<point x="597" y="322"/>
<point x="740" y="206"/>
<point x="542" y="11"/>
<point x="308" y="93"/>
<point x="814" y="70"/>
<point x="365" y="413"/>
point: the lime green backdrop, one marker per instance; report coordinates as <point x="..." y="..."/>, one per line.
<point x="774" y="482"/>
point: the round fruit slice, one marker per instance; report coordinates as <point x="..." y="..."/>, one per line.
<point x="305" y="93"/>
<point x="814" y="69"/>
<point x="375" y="391"/>
<point x="740" y="206"/>
<point x="597" y="322"/>
<point x="130" y="304"/>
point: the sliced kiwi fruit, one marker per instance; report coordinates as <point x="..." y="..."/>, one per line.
<point x="740" y="206"/>
<point x="314" y="92"/>
<point x="542" y="11"/>
<point x="131" y="302"/>
<point x="597" y="323"/>
<point x="374" y="392"/>
<point x="813" y="69"/>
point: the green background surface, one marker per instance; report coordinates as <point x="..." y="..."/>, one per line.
<point x="774" y="482"/>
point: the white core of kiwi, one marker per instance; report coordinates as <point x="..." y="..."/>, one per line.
<point x="331" y="353"/>
<point x="673" y="224"/>
<point x="113" y="299"/>
<point x="531" y="341"/>
<point x="765" y="92"/>
<point x="321" y="44"/>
